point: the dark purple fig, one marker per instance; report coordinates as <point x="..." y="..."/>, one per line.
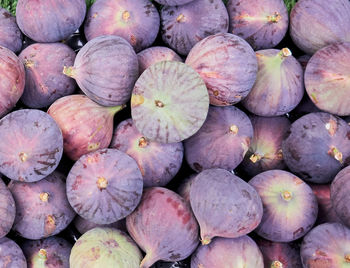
<point x="303" y="60"/>
<point x="173" y="2"/>
<point x="11" y="255"/>
<point x="263" y="23"/>
<point x="52" y="252"/>
<point x="136" y="21"/>
<point x="12" y="80"/>
<point x="42" y="208"/>
<point x="279" y="86"/>
<point x="318" y="147"/>
<point x="105" y="69"/>
<point x="229" y="84"/>
<point x="169" y="102"/>
<point x="7" y="210"/>
<point x="224" y="205"/>
<point x="185" y="187"/>
<point x="104" y="186"/>
<point x="327" y="79"/>
<point x="290" y="206"/>
<point x="326" y="246"/>
<point x="105" y="247"/>
<point x="311" y="30"/>
<point x="163" y="226"/>
<point x="158" y="162"/>
<point x="83" y="225"/>
<point x="153" y="55"/>
<point x="10" y="34"/>
<point x="265" y="150"/>
<point x="228" y="252"/>
<point x="222" y="141"/>
<point x="31" y="145"/>
<point x="184" y="26"/>
<point x="54" y="19"/>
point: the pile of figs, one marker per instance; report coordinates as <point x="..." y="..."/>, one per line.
<point x="175" y="133"/>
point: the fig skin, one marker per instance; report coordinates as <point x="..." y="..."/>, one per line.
<point x="136" y="21"/>
<point x="229" y="85"/>
<point x="7" y="210"/>
<point x="11" y="255"/>
<point x="185" y="187"/>
<point x="263" y="23"/>
<point x="163" y="226"/>
<point x="83" y="225"/>
<point x="10" y="34"/>
<point x="173" y="2"/>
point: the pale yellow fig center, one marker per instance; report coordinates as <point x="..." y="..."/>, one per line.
<point x="102" y="183"/>
<point x="42" y="254"/>
<point x="143" y="142"/>
<point x="23" y="156"/>
<point x="234" y="129"/>
<point x="44" y="197"/>
<point x="286" y="195"/>
<point x="180" y="18"/>
<point x="126" y="15"/>
<point x="205" y="241"/>
<point x="276" y="264"/>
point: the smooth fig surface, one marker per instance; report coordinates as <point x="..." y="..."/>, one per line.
<point x="10" y="34"/>
<point x="7" y="209"/>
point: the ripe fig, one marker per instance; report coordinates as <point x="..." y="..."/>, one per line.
<point x="7" y="210"/>
<point x="10" y="34"/>
<point x="185" y="187"/>
<point x="11" y="255"/>
<point x="83" y="225"/>
<point x="173" y="2"/>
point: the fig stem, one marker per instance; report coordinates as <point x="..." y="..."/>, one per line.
<point x="286" y="195"/>
<point x="180" y="18"/>
<point x="44" y="197"/>
<point x="42" y="254"/>
<point x="347" y="258"/>
<point x="255" y="157"/>
<point x="116" y="109"/>
<point x="206" y="241"/>
<point x="148" y="261"/>
<point x="336" y="154"/>
<point x="23" y="156"/>
<point x="276" y="264"/>
<point x="143" y="142"/>
<point x="274" y="18"/>
<point x="102" y="183"/>
<point x="126" y="15"/>
<point x="234" y="129"/>
<point x="284" y="53"/>
<point x="69" y="71"/>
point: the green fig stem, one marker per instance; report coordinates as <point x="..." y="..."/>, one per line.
<point x="116" y="109"/>
<point x="69" y="71"/>
<point x="206" y="241"/>
<point x="148" y="261"/>
<point x="336" y="154"/>
<point x="276" y="264"/>
<point x="274" y="18"/>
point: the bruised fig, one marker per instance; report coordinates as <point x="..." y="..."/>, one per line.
<point x="11" y="255"/>
<point x="7" y="210"/>
<point x="83" y="225"/>
<point x="10" y="34"/>
<point x="163" y="226"/>
<point x="86" y="126"/>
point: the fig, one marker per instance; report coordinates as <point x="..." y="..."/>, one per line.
<point x="42" y="208"/>
<point x="136" y="21"/>
<point x="224" y="205"/>
<point x="105" y="247"/>
<point x="104" y="186"/>
<point x="185" y="187"/>
<point x="227" y="253"/>
<point x="279" y="86"/>
<point x="7" y="210"/>
<point x="317" y="147"/>
<point x="10" y="34"/>
<point x="163" y="226"/>
<point x="105" y="69"/>
<point x="229" y="85"/>
<point x="303" y="60"/>
<point x="263" y="24"/>
<point x="31" y="147"/>
<point x="221" y="142"/>
<point x="185" y="25"/>
<point x="83" y="225"/>
<point x="173" y="2"/>
<point x="169" y="102"/>
<point x="290" y="206"/>
<point x="158" y="162"/>
<point x="11" y="255"/>
<point x="86" y="126"/>
<point x="54" y="20"/>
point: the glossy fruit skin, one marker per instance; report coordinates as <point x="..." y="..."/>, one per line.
<point x="185" y="25"/>
<point x="105" y="247"/>
<point x="163" y="226"/>
<point x="229" y="85"/>
<point x="11" y="255"/>
<point x="263" y="24"/>
<point x="224" y="205"/>
<point x="55" y="19"/>
<point x="309" y="29"/>
<point x="221" y="142"/>
<point x="158" y="162"/>
<point x="290" y="206"/>
<point x="10" y="34"/>
<point x="83" y="225"/>
<point x="136" y="21"/>
<point x="31" y="147"/>
<point x="7" y="209"/>
<point x="317" y="147"/>
<point x="42" y="208"/>
<point x="227" y="253"/>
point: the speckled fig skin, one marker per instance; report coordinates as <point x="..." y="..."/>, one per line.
<point x="55" y="19"/>
<point x="317" y="147"/>
<point x="12" y="80"/>
<point x="104" y="186"/>
<point x="7" y="209"/>
<point x="31" y="147"/>
<point x="136" y="21"/>
<point x="10" y="34"/>
<point x="169" y="102"/>
<point x="52" y="252"/>
<point x="229" y="85"/>
<point x="326" y="245"/>
<point x="185" y="187"/>
<point x="279" y="85"/>
<point x="184" y="26"/>
<point x="105" y="69"/>
<point x="173" y="2"/>
<point x="224" y="205"/>
<point x="327" y="79"/>
<point x="311" y="30"/>
<point x="83" y="225"/>
<point x="105" y="247"/>
<point x="263" y="23"/>
<point x="86" y="126"/>
<point x="152" y="55"/>
<point x="11" y="255"/>
<point x="228" y="253"/>
<point x="42" y="208"/>
<point x="163" y="226"/>
<point x="222" y="141"/>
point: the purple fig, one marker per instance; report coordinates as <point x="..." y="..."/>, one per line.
<point x="173" y="2"/>
<point x="83" y="225"/>
<point x="185" y="187"/>
<point x="7" y="210"/>
<point x="11" y="255"/>
<point x="303" y="60"/>
<point x="10" y="34"/>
